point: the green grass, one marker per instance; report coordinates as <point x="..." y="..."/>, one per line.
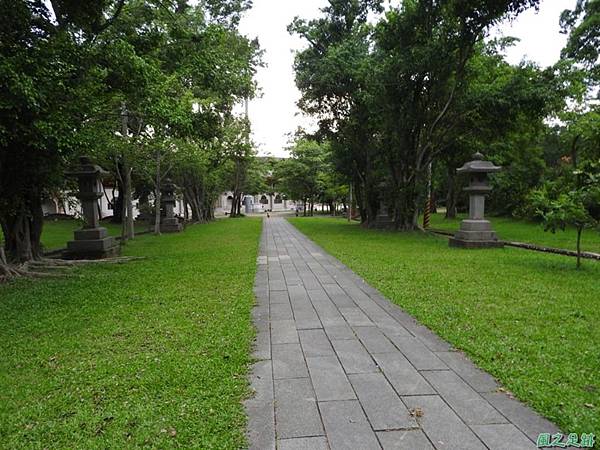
<point x="56" y="233"/>
<point x="530" y="319"/>
<point x="510" y="229"/>
<point x="148" y="353"/>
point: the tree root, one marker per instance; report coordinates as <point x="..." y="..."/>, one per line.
<point x="51" y="268"/>
<point x="8" y="273"/>
<point x="81" y="262"/>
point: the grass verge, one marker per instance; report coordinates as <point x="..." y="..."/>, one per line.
<point x="510" y="229"/>
<point x="531" y="319"/>
<point x="57" y="233"/>
<point x="149" y="353"/>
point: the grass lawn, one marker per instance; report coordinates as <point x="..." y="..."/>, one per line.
<point x="510" y="229"/>
<point x="148" y="353"/>
<point x="57" y="233"/>
<point x="530" y="319"/>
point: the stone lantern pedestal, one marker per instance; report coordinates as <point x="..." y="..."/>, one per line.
<point x="383" y="220"/>
<point x="476" y="232"/>
<point x="169" y="223"/>
<point x="92" y="241"/>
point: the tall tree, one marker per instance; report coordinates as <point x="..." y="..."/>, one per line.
<point x="332" y="74"/>
<point x="49" y="84"/>
<point x="77" y="72"/>
<point x="422" y="52"/>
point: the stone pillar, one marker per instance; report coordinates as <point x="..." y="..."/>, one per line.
<point x="382" y="220"/>
<point x="476" y="232"/>
<point x="169" y="223"/>
<point x="92" y="241"/>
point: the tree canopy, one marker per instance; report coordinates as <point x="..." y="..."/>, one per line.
<point x="132" y="83"/>
<point x="422" y="87"/>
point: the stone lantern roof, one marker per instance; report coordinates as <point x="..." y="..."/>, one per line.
<point x="168" y="185"/>
<point x="478" y="165"/>
<point x="87" y="168"/>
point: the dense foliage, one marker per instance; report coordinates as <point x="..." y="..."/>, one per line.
<point x="309" y="176"/>
<point x="410" y="96"/>
<point x="146" y="87"/>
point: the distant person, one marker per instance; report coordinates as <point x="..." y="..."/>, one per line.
<point x="268" y="215"/>
<point x="296" y="212"/>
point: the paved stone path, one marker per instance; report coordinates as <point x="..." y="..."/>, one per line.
<point x="341" y="367"/>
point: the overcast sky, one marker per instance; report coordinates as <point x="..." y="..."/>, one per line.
<point x="274" y="114"/>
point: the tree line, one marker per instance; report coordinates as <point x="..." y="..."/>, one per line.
<point x="409" y="96"/>
<point x="146" y="87"/>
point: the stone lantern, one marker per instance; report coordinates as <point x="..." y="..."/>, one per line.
<point x="92" y="241"/>
<point x="476" y="232"/>
<point x="383" y="220"/>
<point x="248" y="204"/>
<point x="169" y="223"/>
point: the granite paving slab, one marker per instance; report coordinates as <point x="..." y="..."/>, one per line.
<point x="341" y="367"/>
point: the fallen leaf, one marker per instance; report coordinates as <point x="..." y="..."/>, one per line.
<point x="416" y="412"/>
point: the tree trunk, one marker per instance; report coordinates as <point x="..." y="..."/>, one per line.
<point x="157" y="196"/>
<point x="118" y="204"/>
<point x="22" y="231"/>
<point x="129" y="205"/>
<point x="123" y="215"/>
<point x="196" y="209"/>
<point x="157" y="200"/>
<point x="574" y="150"/>
<point x="405" y="212"/>
<point x="367" y="198"/>
<point x="186" y="202"/>
<point x="451" y="194"/>
<point x="190" y="195"/>
<point x="233" y="210"/>
<point x="361" y="202"/>
<point x="125" y="178"/>
<point x="579" y="231"/>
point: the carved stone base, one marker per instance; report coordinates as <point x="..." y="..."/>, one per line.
<point x="92" y="243"/>
<point x="384" y="222"/>
<point x="475" y="233"/>
<point x="463" y="243"/>
<point x="170" y="226"/>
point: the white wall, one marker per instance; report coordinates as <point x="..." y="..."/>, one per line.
<point x="72" y="206"/>
<point x="224" y="204"/>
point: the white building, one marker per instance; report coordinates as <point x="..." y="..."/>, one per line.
<point x="255" y="203"/>
<point x="70" y="206"/>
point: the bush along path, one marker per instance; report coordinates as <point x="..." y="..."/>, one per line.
<point x="341" y="367"/>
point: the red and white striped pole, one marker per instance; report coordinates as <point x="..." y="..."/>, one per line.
<point x="427" y="212"/>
